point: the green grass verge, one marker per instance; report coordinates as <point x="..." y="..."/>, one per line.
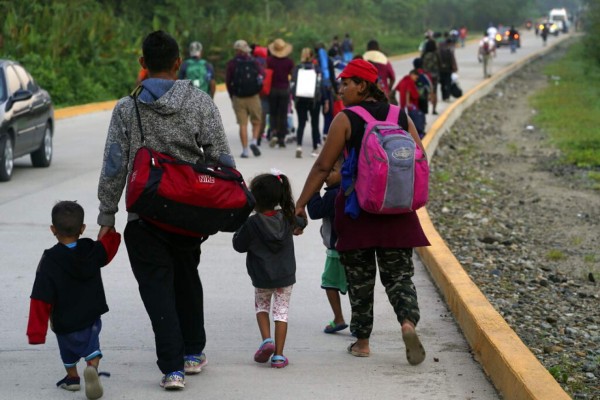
<point x="568" y="109"/>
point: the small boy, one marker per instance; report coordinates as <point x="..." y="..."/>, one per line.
<point x="68" y="290"/>
<point x="333" y="279"/>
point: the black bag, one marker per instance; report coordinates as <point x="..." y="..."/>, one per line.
<point x="247" y="80"/>
<point x="455" y="90"/>
<point x="418" y="118"/>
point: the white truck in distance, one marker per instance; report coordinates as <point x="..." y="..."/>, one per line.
<point x="559" y="17"/>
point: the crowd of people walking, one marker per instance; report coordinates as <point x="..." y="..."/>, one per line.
<point x="173" y="112"/>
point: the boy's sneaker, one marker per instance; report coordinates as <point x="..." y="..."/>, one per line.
<point x="193" y="364"/>
<point x="70" y="384"/>
<point x="93" y="387"/>
<point x="173" y="381"/>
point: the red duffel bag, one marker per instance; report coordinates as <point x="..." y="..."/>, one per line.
<point x="185" y="198"/>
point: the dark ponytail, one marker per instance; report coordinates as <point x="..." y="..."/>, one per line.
<point x="272" y="190"/>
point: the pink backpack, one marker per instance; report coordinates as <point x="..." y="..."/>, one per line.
<point x="393" y="174"/>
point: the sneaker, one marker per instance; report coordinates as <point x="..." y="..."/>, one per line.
<point x="281" y="144"/>
<point x="93" y="387"/>
<point x="273" y="141"/>
<point x="244" y="155"/>
<point x="70" y="384"/>
<point x="255" y="150"/>
<point x="315" y="153"/>
<point x="173" y="381"/>
<point x="299" y="152"/>
<point x="193" y="364"/>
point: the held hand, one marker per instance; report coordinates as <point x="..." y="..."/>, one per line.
<point x="300" y="216"/>
<point x="104" y="230"/>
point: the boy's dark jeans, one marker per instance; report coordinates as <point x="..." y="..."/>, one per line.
<point x="166" y="268"/>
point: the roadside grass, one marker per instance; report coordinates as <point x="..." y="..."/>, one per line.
<point x="568" y="109"/>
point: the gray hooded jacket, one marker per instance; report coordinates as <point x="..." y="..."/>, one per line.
<point x="177" y="119"/>
<point x="268" y="240"/>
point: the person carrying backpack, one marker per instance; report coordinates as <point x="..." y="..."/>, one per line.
<point x="447" y="65"/>
<point x="279" y="98"/>
<point x="199" y="71"/>
<point x="243" y="79"/>
<point x="485" y="52"/>
<point x="431" y="65"/>
<point x="410" y="99"/>
<point x="370" y="241"/>
<point x="306" y="87"/>
<point x="385" y="71"/>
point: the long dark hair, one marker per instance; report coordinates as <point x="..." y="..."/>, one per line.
<point x="373" y="90"/>
<point x="270" y="191"/>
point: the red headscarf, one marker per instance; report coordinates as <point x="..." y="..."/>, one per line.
<point x="360" y="69"/>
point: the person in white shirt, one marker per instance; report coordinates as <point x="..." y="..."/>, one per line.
<point x="485" y="53"/>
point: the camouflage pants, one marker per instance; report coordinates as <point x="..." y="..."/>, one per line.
<point x="396" y="271"/>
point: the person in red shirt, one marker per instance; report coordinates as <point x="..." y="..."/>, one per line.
<point x="407" y="89"/>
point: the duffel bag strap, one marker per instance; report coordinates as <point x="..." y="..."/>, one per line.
<point x="137" y="113"/>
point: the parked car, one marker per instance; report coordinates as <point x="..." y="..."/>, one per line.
<point x="26" y="119"/>
<point x="503" y="38"/>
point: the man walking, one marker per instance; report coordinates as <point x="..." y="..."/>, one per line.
<point x="485" y="53"/>
<point x="180" y="120"/>
<point x="243" y="79"/>
<point x="447" y="65"/>
<point x="199" y="71"/>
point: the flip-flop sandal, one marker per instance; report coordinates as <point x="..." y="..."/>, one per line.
<point x="415" y="353"/>
<point x="264" y="352"/>
<point x="357" y="353"/>
<point x="279" y="362"/>
<point x="333" y="328"/>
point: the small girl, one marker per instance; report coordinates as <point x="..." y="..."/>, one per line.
<point x="267" y="238"/>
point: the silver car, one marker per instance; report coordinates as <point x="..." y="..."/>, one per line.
<point x="26" y="119"/>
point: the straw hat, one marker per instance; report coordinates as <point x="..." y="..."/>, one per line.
<point x="279" y="48"/>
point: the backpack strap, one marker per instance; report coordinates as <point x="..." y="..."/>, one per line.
<point x="393" y="114"/>
<point x="361" y="112"/>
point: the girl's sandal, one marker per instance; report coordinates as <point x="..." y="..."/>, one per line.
<point x="264" y="352"/>
<point x="279" y="361"/>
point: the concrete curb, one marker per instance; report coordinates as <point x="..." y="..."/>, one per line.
<point x="512" y="367"/>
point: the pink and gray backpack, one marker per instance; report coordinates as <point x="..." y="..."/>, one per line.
<point x="392" y="174"/>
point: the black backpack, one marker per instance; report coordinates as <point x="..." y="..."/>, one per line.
<point x="446" y="63"/>
<point x="247" y="80"/>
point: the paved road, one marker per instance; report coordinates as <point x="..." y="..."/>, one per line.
<point x="319" y="365"/>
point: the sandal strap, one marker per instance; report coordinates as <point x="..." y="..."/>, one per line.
<point x="277" y="359"/>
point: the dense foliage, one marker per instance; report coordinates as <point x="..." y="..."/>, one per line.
<point x="88" y="52"/>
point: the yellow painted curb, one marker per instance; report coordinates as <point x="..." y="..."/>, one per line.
<point x="73" y="111"/>
<point x="512" y="367"/>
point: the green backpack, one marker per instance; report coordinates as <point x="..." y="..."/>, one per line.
<point x="197" y="72"/>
